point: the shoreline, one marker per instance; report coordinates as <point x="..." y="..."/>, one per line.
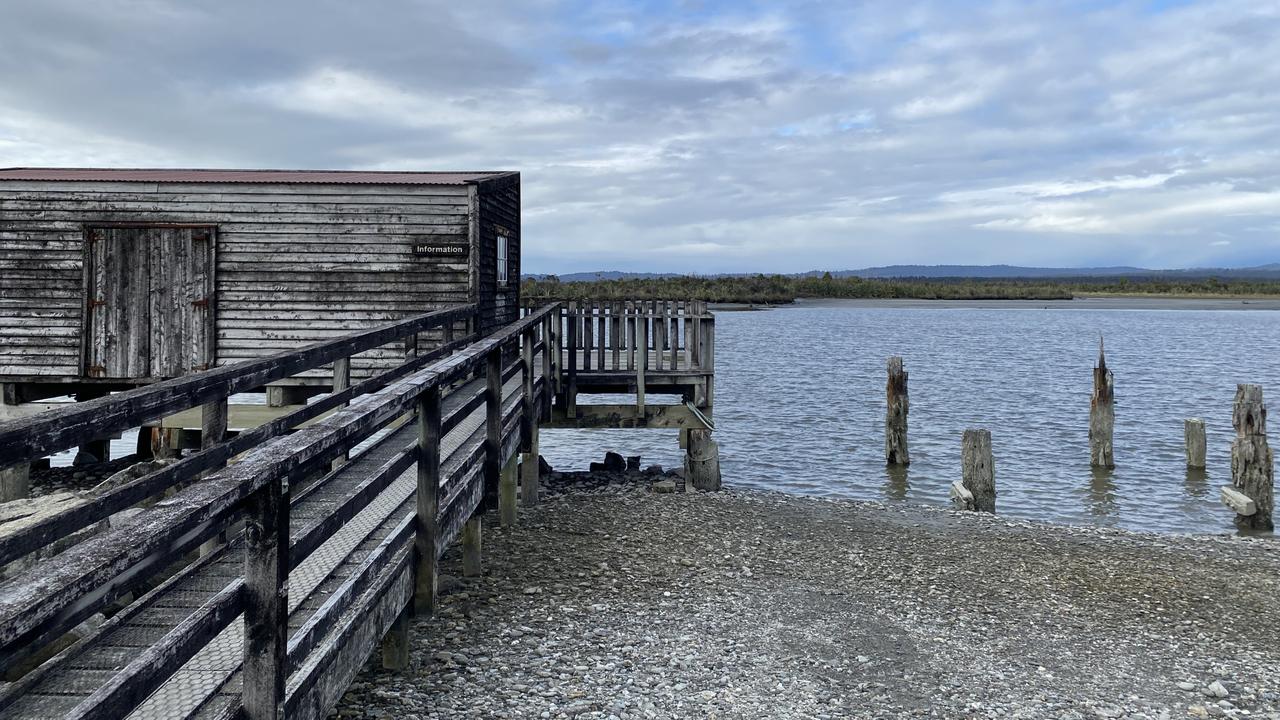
<point x="608" y="600"/>
<point x="1088" y="302"/>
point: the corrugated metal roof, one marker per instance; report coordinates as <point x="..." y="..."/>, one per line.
<point x="323" y="177"/>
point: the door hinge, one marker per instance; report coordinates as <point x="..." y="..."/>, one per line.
<point x="96" y="371"/>
<point x="96" y="303"/>
<point x="95" y="236"/>
<point x="201" y="303"/>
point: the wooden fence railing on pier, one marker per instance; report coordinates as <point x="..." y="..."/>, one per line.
<point x="638" y="347"/>
<point x="335" y="549"/>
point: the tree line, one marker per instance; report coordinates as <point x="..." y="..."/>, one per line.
<point x="780" y="289"/>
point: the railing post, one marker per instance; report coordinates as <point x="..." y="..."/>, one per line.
<point x="571" y="393"/>
<point x="493" y="426"/>
<point x="557" y="362"/>
<point x="529" y="415"/>
<point x="709" y="358"/>
<point x="548" y="379"/>
<point x="341" y="381"/>
<point x="213" y="430"/>
<point x="428" y="500"/>
<point x="615" y="316"/>
<point x="643" y="360"/>
<point x="266" y="608"/>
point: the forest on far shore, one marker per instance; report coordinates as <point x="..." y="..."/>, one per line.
<point x="779" y="289"/>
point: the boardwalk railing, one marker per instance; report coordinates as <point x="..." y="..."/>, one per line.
<point x="22" y="441"/>
<point x="644" y="338"/>
<point x="298" y="674"/>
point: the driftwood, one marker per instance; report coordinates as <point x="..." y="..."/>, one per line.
<point x="895" y="415"/>
<point x="978" y="471"/>
<point x="1102" y="414"/>
<point x="1252" y="462"/>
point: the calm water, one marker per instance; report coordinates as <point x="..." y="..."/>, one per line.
<point x="800" y="404"/>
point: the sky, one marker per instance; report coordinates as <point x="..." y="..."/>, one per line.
<point x="701" y="137"/>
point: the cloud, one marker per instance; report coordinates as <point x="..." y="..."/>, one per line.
<point x="705" y="136"/>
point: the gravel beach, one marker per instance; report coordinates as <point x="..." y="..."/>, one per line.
<point x="609" y="600"/>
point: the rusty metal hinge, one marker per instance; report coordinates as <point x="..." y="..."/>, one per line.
<point x="200" y="368"/>
<point x="96" y="371"/>
<point x="95" y="236"/>
<point x="201" y="303"/>
<point x="96" y="303"/>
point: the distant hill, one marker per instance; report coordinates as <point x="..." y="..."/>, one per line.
<point x="1269" y="271"/>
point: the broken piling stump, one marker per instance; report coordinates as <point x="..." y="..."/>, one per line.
<point x="702" y="461"/>
<point x="1193" y="433"/>
<point x="1252" y="491"/>
<point x="977" y="488"/>
<point x="1102" y="415"/>
<point x="895" y="415"/>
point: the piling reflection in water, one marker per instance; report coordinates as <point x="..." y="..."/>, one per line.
<point x="897" y="485"/>
<point x="1103" y="500"/>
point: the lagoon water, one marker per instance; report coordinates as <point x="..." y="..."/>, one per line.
<point x="800" y="403"/>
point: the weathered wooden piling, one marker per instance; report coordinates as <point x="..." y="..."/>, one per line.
<point x="977" y="488"/>
<point x="1193" y="433"/>
<point x="15" y="482"/>
<point x="507" y="493"/>
<point x="702" y="461"/>
<point x="472" y="546"/>
<point x="1252" y="491"/>
<point x="1102" y="415"/>
<point x="895" y="415"/>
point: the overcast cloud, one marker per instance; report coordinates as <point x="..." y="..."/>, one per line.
<point x="706" y="136"/>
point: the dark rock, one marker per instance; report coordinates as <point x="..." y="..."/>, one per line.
<point x="85" y="457"/>
<point x="544" y="467"/>
<point x="653" y="470"/>
<point x="613" y="462"/>
<point x="598" y="467"/>
<point x="633" y="462"/>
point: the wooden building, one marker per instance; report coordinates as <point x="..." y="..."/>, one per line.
<point x="115" y="278"/>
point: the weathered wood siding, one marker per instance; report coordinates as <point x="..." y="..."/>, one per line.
<point x="498" y="202"/>
<point x="295" y="263"/>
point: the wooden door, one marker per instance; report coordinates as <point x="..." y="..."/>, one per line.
<point x="150" y="301"/>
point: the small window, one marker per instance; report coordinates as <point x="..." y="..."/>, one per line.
<point x="502" y="259"/>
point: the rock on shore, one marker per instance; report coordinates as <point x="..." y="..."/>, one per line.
<point x="610" y="600"/>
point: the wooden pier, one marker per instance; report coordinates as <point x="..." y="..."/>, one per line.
<point x="254" y="577"/>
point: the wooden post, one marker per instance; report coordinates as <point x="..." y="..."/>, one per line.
<point x="1193" y="433"/>
<point x="701" y="461"/>
<point x="493" y="426"/>
<point x="548" y="383"/>
<point x="266" y="607"/>
<point x="428" y="501"/>
<point x="571" y="394"/>
<point x="615" y="320"/>
<point x="472" y="546"/>
<point x="708" y="355"/>
<point x="395" y="644"/>
<point x="895" y="415"/>
<point x="588" y="338"/>
<point x="1252" y="462"/>
<point x="642" y="361"/>
<point x="213" y="431"/>
<point x="529" y="406"/>
<point x="529" y="477"/>
<point x="1102" y="415"/>
<point x="507" y="493"/>
<point x="15" y="482"/>
<point x="978" y="470"/>
<point x="342" y="381"/>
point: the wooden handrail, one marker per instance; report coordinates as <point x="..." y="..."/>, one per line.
<point x="53" y="431"/>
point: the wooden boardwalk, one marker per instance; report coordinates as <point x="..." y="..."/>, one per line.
<point x="324" y="555"/>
